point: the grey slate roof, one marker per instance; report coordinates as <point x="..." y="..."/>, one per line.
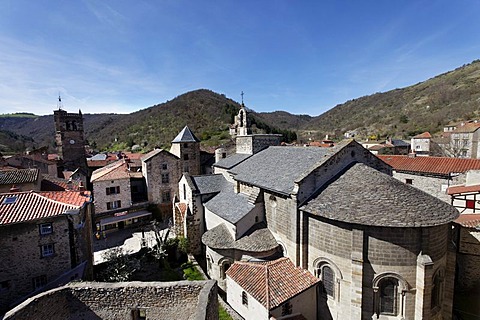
<point x="18" y="176"/>
<point x="186" y="135"/>
<point x="229" y="205"/>
<point x="231" y="161"/>
<point x="211" y="183"/>
<point x="257" y="239"/>
<point x="363" y="195"/>
<point x="277" y="168"/>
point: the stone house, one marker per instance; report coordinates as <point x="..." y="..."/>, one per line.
<point x="420" y="144"/>
<point x="119" y="196"/>
<point x="33" y="161"/>
<point x="433" y="175"/>
<point x="47" y="239"/>
<point x="20" y="180"/>
<point x="272" y="197"/>
<point x="464" y="140"/>
<point x="271" y="290"/>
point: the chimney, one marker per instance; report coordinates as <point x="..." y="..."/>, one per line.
<point x="14" y="188"/>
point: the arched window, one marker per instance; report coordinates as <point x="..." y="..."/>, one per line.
<point x="388" y="288"/>
<point x="328" y="280"/>
<point x="244" y="299"/>
<point x="437" y="289"/>
<point x="225" y="266"/>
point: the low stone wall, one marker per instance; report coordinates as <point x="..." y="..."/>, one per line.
<point x="90" y="300"/>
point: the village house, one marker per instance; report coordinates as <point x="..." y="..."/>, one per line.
<point x="20" y="180"/>
<point x="420" y="144"/>
<point x="433" y="175"/>
<point x="463" y="141"/>
<point x="47" y="239"/>
<point x="335" y="212"/>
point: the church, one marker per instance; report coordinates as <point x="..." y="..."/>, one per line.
<point x="380" y="248"/>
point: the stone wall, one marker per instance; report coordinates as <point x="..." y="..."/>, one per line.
<point x="159" y="300"/>
<point x="20" y="247"/>
<point x="101" y="197"/>
<point x="252" y="144"/>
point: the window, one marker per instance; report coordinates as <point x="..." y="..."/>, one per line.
<point x="164" y="166"/>
<point x="417" y="147"/>
<point x="166" y="196"/>
<point x="184" y="192"/>
<point x="39" y="282"/>
<point x="9" y="200"/>
<point x="114" y="204"/>
<point x="225" y="266"/>
<point x="470" y="204"/>
<point x="409" y="181"/>
<point x="286" y="308"/>
<point x="112" y="190"/>
<point x="47" y="250"/>
<point x="139" y="314"/>
<point x="185" y="145"/>
<point x="437" y="290"/>
<point x="165" y="178"/>
<point x="388" y="288"/>
<point x="244" y="299"/>
<point x="186" y="168"/>
<point x="328" y="280"/>
<point x="185" y="156"/>
<point x="46" y="228"/>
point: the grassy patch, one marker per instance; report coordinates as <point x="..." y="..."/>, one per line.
<point x="222" y="314"/>
<point x="191" y="272"/>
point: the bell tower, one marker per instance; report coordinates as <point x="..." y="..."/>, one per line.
<point x="69" y="138"/>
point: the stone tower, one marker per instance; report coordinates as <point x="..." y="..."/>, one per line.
<point x="187" y="147"/>
<point x="69" y="139"/>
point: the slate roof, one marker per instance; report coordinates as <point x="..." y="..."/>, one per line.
<point x="277" y="168"/>
<point x="231" y="161"/>
<point x="212" y="183"/>
<point x="229" y="205"/>
<point x="469" y="220"/>
<point x="18" y="176"/>
<point x="257" y="239"/>
<point x="363" y="195"/>
<point x="29" y="206"/>
<point x="186" y="135"/>
<point x="431" y="165"/>
<point x="272" y="282"/>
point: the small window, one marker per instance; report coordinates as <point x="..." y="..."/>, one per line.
<point x="186" y="146"/>
<point x="409" y="181"/>
<point x="185" y="156"/>
<point x="139" y="314"/>
<point x="437" y="290"/>
<point x="165" y="178"/>
<point x="328" y="280"/>
<point x="39" y="282"/>
<point x="244" y="299"/>
<point x="112" y="190"/>
<point x="286" y="308"/>
<point x="47" y="250"/>
<point x="184" y="192"/>
<point x="164" y="166"/>
<point x="225" y="267"/>
<point x="114" y="204"/>
<point x="470" y="204"/>
<point x="388" y="296"/>
<point x="46" y="228"/>
<point x="166" y="196"/>
<point x="186" y="168"/>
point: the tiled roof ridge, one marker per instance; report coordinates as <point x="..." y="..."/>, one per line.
<point x="56" y="201"/>
<point x="267" y="287"/>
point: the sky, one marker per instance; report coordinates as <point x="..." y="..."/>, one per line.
<point x="303" y="57"/>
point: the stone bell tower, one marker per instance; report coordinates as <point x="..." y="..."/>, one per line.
<point x="69" y="138"/>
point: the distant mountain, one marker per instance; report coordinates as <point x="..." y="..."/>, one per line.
<point x="399" y="113"/>
<point x="426" y="106"/>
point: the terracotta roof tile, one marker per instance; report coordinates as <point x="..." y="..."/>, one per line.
<point x="18" y="176"/>
<point x="431" y="165"/>
<point x="425" y="135"/>
<point x="467" y="128"/>
<point x="463" y="189"/>
<point x="272" y="282"/>
<point x="469" y="220"/>
<point x="76" y="198"/>
<point x="28" y="206"/>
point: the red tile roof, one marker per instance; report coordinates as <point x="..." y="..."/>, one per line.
<point x="431" y="165"/>
<point x="463" y="189"/>
<point x="467" y="128"/>
<point x="469" y="220"/>
<point x="425" y="135"/>
<point x="271" y="283"/>
<point x="29" y="206"/>
<point x="76" y="198"/>
<point x="113" y="171"/>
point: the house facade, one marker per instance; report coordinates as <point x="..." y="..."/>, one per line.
<point x="47" y="239"/>
<point x="420" y="144"/>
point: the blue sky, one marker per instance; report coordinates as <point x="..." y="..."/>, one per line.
<point x="303" y="57"/>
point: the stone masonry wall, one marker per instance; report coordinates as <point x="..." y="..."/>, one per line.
<point x="20" y="247"/>
<point x="160" y="300"/>
<point x="101" y="197"/>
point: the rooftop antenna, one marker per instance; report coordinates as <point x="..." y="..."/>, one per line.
<point x="242" y="97"/>
<point x="59" y="103"/>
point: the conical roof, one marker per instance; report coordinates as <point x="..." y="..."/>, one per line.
<point x="186" y="135"/>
